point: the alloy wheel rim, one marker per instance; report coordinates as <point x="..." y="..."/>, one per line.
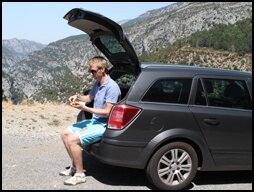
<point x="174" y="167"/>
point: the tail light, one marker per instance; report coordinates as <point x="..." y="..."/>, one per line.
<point x="122" y="115"/>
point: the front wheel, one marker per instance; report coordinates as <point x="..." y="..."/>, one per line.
<point x="173" y="166"/>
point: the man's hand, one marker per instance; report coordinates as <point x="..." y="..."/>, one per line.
<point x="78" y="104"/>
<point x="73" y="98"/>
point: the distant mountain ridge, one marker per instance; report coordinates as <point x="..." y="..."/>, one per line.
<point x="22" y="46"/>
<point x="59" y="67"/>
<point x="14" y="50"/>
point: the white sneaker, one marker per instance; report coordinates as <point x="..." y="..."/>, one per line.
<point x="68" y="172"/>
<point x="76" y="179"/>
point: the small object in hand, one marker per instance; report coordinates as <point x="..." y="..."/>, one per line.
<point x="77" y="101"/>
<point x="73" y="103"/>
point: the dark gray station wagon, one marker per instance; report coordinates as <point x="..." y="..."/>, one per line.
<point x="172" y="120"/>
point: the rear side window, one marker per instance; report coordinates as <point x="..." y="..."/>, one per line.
<point x="169" y="91"/>
<point x="125" y="82"/>
<point x="111" y="44"/>
<point x="223" y="93"/>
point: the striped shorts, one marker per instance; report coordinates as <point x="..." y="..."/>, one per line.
<point x="89" y="130"/>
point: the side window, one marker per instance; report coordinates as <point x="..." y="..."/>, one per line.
<point x="227" y="93"/>
<point x="236" y="92"/>
<point x="125" y="81"/>
<point x="169" y="91"/>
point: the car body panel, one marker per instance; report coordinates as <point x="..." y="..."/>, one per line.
<point x="230" y="140"/>
<point x="227" y="131"/>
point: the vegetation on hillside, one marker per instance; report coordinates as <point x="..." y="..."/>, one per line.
<point x="61" y="87"/>
<point x="229" y="41"/>
<point x="235" y="38"/>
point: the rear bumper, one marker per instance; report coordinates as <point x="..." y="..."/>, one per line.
<point x="124" y="154"/>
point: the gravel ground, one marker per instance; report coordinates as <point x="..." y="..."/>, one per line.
<point x="33" y="155"/>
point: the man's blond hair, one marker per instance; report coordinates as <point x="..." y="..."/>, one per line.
<point x="100" y="61"/>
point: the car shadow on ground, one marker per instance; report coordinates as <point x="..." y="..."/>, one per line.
<point x="223" y="177"/>
<point x="114" y="175"/>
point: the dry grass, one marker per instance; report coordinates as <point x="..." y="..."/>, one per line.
<point x="37" y="117"/>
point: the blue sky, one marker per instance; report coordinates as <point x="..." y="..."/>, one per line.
<point x="43" y="21"/>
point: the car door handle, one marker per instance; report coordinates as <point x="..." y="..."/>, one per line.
<point x="211" y="121"/>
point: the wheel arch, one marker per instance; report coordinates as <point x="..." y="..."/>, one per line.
<point x="170" y="136"/>
<point x="179" y="139"/>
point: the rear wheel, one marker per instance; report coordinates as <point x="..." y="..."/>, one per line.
<point x="173" y="166"/>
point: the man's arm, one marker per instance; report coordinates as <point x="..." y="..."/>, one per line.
<point x="105" y="111"/>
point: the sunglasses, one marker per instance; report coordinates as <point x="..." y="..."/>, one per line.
<point x="93" y="71"/>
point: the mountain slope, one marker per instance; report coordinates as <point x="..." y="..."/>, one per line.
<point x="162" y="27"/>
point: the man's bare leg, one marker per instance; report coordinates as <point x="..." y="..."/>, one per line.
<point x="76" y="152"/>
<point x="65" y="133"/>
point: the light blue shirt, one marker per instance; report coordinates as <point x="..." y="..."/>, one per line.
<point x="108" y="92"/>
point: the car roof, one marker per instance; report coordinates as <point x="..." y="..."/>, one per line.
<point x="193" y="69"/>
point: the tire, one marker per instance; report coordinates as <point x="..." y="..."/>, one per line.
<point x="177" y="164"/>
